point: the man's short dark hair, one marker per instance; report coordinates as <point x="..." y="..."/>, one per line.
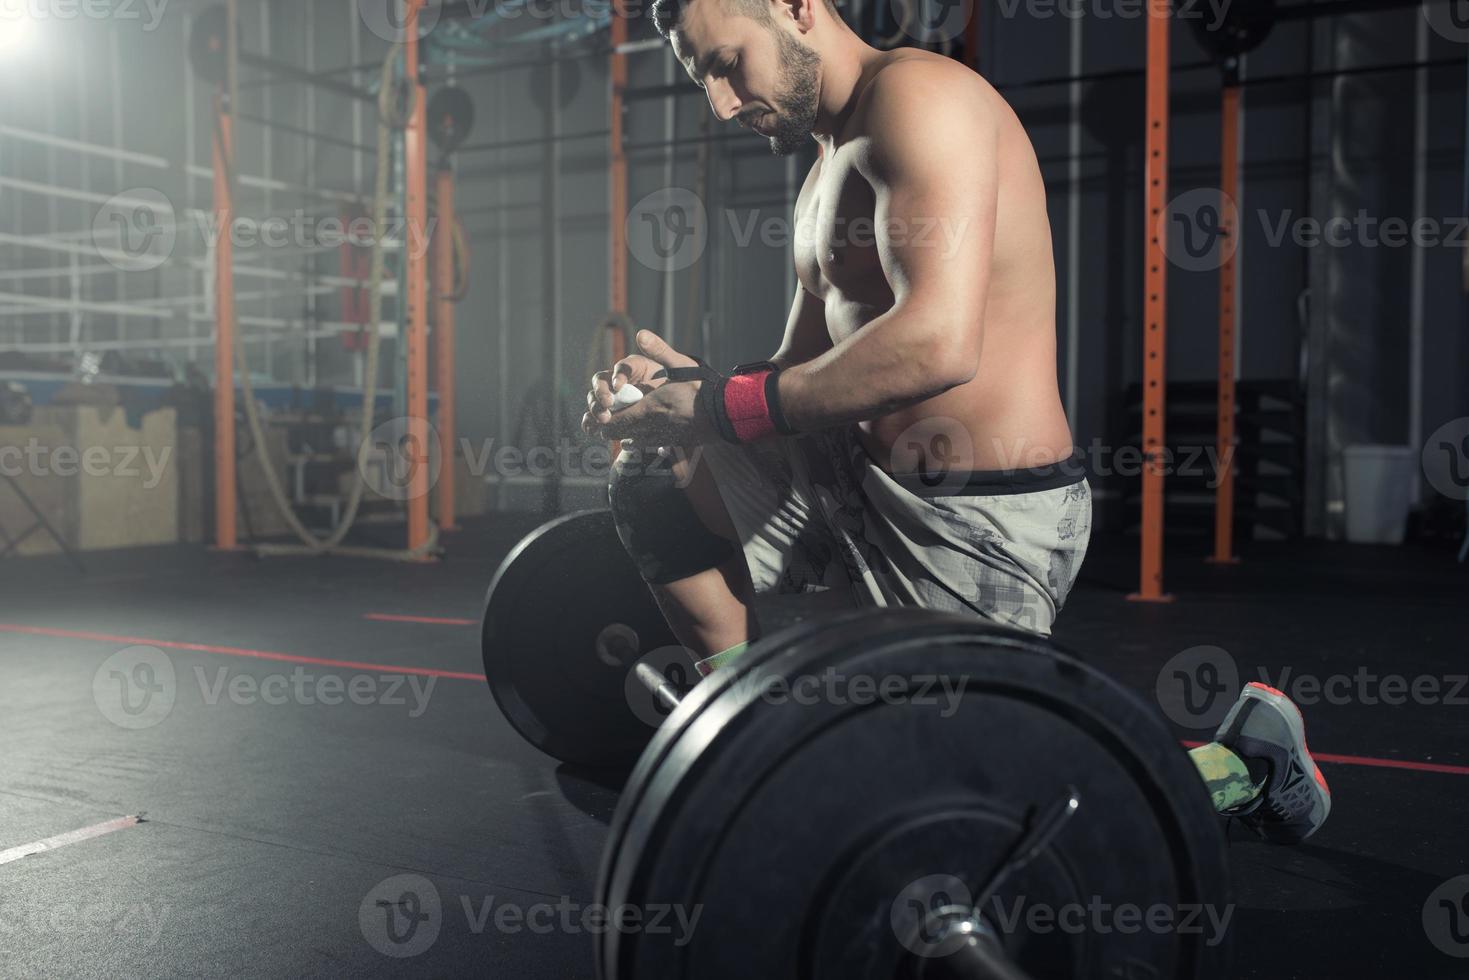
<point x="666" y="13"/>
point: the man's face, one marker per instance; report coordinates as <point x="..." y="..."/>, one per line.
<point x="754" y="70"/>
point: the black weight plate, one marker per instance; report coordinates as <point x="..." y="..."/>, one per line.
<point x="450" y="117"/>
<point x="566" y="619"/>
<point x="1245" y="26"/>
<point x="798" y="832"/>
<point x="687" y="713"/>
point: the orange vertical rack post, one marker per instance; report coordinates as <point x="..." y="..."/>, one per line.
<point x="1155" y="306"/>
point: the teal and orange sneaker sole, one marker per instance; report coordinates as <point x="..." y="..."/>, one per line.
<point x="1264" y="724"/>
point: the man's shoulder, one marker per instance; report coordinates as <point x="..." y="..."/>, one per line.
<point x="914" y="81"/>
<point x="918" y="101"/>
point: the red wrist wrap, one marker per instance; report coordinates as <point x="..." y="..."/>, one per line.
<point x="747" y="408"/>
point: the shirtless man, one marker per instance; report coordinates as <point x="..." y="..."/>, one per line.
<point x="907" y="444"/>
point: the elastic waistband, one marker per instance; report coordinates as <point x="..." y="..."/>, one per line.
<point x="991" y="483"/>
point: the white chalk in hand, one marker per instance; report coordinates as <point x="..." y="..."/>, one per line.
<point x="628" y="394"/>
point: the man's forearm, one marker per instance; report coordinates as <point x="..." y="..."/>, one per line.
<point x="887" y="365"/>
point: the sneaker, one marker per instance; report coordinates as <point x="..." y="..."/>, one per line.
<point x="1266" y="725"/>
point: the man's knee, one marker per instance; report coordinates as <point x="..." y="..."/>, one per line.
<point x="654" y="507"/>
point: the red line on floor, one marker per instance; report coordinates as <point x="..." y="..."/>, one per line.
<point x="1369" y="761"/>
<point x="430" y="620"/>
<point x="290" y="658"/>
<point x="1341" y="760"/>
<point x="70" y="837"/>
<point x="1359" y="760"/>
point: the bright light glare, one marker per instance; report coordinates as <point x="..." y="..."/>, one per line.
<point x="17" y="28"/>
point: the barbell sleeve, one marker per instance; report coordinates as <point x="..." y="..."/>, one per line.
<point x="659" y="686"/>
<point x="978" y="955"/>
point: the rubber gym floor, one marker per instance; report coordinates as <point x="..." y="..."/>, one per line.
<point x="265" y="825"/>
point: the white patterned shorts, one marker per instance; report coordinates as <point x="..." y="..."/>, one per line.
<point x="815" y="514"/>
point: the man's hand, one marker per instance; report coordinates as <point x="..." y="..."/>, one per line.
<point x="665" y="417"/>
<point x="635" y="370"/>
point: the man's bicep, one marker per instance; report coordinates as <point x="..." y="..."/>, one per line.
<point x="935" y="211"/>
<point x="806" y="336"/>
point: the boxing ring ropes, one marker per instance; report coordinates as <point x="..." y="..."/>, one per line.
<point x="218" y="269"/>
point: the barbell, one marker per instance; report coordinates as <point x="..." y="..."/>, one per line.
<point x="897" y="793"/>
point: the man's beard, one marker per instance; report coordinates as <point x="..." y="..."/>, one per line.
<point x="795" y="114"/>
